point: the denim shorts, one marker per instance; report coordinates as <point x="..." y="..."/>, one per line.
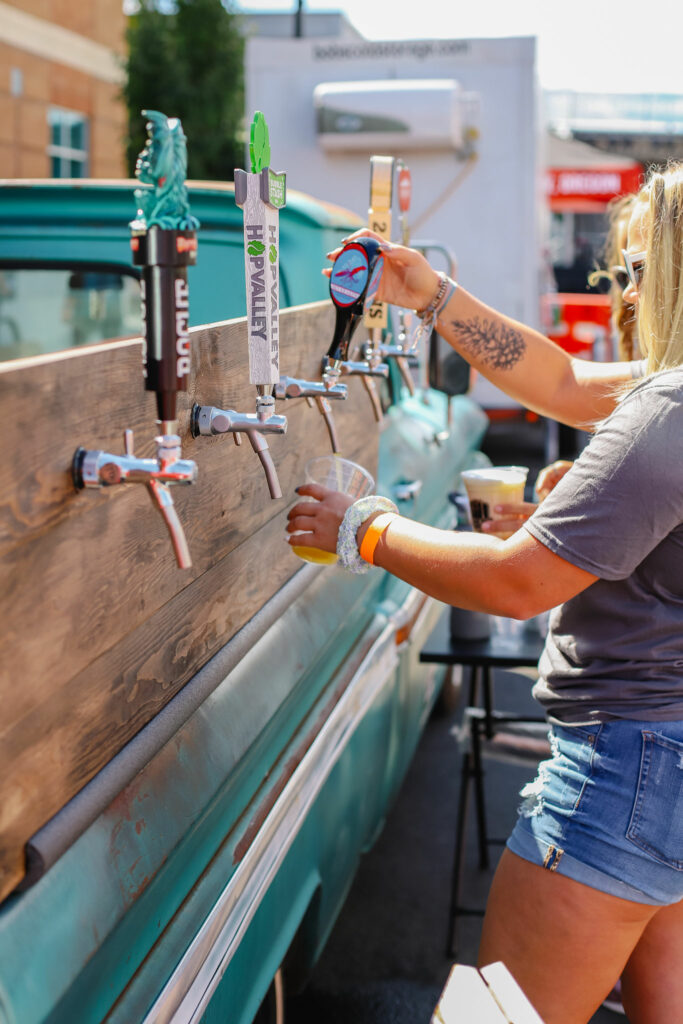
<point x="606" y="809"/>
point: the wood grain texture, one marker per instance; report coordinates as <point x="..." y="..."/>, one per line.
<point x="99" y="627"/>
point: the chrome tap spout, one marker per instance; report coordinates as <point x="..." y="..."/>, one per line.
<point x="333" y="368"/>
<point x="363" y="368"/>
<point x="398" y="353"/>
<point x="206" y="420"/>
<point x="293" y="387"/>
<point x="96" y="468"/>
<point x="316" y="392"/>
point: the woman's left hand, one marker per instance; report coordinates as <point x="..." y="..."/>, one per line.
<point x="319" y="520"/>
<point x="510" y="517"/>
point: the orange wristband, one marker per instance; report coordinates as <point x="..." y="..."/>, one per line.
<point x="372" y="535"/>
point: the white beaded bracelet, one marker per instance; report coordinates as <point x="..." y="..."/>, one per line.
<point x="347" y="545"/>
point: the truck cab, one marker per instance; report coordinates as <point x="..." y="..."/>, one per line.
<point x="195" y="761"/>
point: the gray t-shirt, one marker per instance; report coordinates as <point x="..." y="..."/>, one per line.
<point x="616" y="649"/>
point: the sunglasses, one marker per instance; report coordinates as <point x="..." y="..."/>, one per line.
<point x="635" y="266"/>
<point x="619" y="276"/>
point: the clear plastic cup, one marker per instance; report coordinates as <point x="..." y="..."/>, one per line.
<point x="495" y="485"/>
<point x="339" y="475"/>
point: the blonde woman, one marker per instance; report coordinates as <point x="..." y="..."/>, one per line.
<point x="624" y="323"/>
<point x="591" y="882"/>
<point x="623" y="312"/>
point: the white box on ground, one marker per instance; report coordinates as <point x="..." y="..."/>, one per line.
<point x="487" y="996"/>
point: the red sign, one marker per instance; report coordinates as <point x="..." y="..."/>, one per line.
<point x="580" y="324"/>
<point x="599" y="184"/>
<point x="404" y="189"/>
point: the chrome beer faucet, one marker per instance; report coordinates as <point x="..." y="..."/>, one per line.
<point x="400" y="352"/>
<point x="317" y="393"/>
<point x="206" y="420"/>
<point x="363" y="368"/>
<point x="102" y="469"/>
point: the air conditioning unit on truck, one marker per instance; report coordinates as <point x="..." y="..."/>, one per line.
<point x="192" y="762"/>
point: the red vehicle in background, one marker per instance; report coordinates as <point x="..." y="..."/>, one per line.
<point x="576" y="315"/>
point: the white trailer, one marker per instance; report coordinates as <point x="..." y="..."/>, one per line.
<point x="464" y="114"/>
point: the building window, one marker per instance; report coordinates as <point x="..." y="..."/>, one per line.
<point x="68" y="149"/>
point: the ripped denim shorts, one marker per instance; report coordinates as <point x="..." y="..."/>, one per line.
<point x="606" y="809"/>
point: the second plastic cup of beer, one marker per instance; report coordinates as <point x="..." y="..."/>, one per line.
<point x="339" y="475"/>
<point x="496" y="485"/>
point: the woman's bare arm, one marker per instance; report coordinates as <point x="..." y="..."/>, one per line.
<point x="517" y="359"/>
<point x="518" y="577"/>
<point x="528" y="366"/>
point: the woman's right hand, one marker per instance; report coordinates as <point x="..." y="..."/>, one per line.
<point x="550" y="476"/>
<point x="407" y="278"/>
<point x="513" y="515"/>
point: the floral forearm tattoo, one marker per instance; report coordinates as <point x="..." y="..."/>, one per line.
<point x="497" y="344"/>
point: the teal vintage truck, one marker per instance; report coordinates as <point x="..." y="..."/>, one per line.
<point x="69" y="243"/>
<point x="192" y="764"/>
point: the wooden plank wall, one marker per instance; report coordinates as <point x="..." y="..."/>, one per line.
<point x="99" y="628"/>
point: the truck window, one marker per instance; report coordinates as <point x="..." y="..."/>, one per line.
<point x="49" y="309"/>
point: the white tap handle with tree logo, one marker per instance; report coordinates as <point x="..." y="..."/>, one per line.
<point x="261" y="194"/>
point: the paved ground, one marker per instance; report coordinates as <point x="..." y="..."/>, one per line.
<point x="385" y="962"/>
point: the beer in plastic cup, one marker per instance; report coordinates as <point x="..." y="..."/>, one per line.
<point x="339" y="475"/>
<point x="495" y="485"/>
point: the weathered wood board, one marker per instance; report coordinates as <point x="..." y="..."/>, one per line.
<point x="99" y="628"/>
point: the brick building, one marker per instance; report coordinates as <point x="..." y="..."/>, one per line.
<point x="61" y="114"/>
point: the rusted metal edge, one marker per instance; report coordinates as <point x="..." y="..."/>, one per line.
<point x="55" y="837"/>
<point x="188" y="991"/>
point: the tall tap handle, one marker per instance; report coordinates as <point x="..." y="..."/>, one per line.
<point x="164" y="244"/>
<point x="128" y="442"/>
<point x="161" y="495"/>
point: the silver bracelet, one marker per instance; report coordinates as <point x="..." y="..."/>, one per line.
<point x="347" y="545"/>
<point x="433" y="305"/>
<point x="430" y="314"/>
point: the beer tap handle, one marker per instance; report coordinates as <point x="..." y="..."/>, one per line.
<point x="260" y="446"/>
<point x="128" y="443"/>
<point x="161" y="496"/>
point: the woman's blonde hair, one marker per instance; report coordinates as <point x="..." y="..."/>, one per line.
<point x="660" y="293"/>
<point x="623" y="313"/>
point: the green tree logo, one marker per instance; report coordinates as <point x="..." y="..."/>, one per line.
<point x="259" y="143"/>
<point x="272" y="254"/>
<point x="256" y="248"/>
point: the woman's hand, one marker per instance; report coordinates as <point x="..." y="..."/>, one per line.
<point x="319" y="520"/>
<point x="514" y="514"/>
<point x="511" y="516"/>
<point x="551" y="476"/>
<point x="407" y="278"/>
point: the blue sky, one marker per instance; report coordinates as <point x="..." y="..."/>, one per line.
<point x="586" y="45"/>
